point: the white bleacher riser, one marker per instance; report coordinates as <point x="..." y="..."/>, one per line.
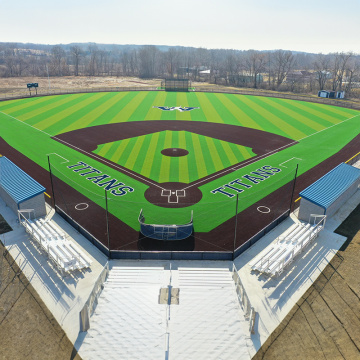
<point x="289" y="234"/>
<point x="128" y="277"/>
<point x="297" y="247"/>
<point x="53" y="233"/>
<point x="287" y="247"/>
<point x="59" y="232"/>
<point x="77" y="252"/>
<point x="267" y="259"/>
<point x="43" y="229"/>
<point x="66" y="255"/>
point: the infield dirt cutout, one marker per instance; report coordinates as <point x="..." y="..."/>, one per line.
<point x="88" y="139"/>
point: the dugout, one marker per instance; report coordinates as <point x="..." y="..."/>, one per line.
<point x="329" y="193"/>
<point x="19" y="190"/>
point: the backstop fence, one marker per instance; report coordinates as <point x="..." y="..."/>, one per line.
<point x="220" y="229"/>
<point x="176" y="84"/>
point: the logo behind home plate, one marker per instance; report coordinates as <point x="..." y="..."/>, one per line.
<point x="180" y="108"/>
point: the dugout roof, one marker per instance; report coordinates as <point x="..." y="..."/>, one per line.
<point x="17" y="183"/>
<point x="328" y="188"/>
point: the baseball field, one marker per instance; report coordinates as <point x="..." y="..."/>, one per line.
<point x="170" y="153"/>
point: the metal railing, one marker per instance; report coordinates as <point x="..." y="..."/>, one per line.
<point x="90" y="305"/>
<point x="244" y="301"/>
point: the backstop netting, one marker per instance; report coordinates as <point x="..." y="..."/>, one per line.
<point x="165" y="232"/>
<point x="221" y="226"/>
<point x="176" y="84"/>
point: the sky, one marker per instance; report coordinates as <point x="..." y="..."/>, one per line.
<point x="303" y="25"/>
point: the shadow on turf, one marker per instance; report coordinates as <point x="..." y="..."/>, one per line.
<point x="147" y="244"/>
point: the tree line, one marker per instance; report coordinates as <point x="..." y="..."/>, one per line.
<point x="279" y="70"/>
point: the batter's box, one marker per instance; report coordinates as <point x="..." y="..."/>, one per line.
<point x="165" y="192"/>
<point x="180" y="193"/>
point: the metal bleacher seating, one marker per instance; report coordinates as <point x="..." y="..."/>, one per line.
<point x="66" y="255"/>
<point x="287" y="246"/>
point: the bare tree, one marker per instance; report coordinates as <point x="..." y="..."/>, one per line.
<point x="322" y="67"/>
<point x="172" y="61"/>
<point x="58" y="54"/>
<point x="148" y="57"/>
<point x="255" y="64"/>
<point x="283" y="63"/>
<point x="76" y="54"/>
<point x="352" y="73"/>
<point x="339" y="64"/>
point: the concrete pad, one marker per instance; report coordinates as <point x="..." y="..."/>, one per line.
<point x="273" y="298"/>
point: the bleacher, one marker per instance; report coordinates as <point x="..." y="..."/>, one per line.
<point x="287" y="246"/>
<point x="66" y="255"/>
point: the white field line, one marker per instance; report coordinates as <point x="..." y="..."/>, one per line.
<point x="268" y="154"/>
<point x="64" y="162"/>
<point x="196" y="183"/>
<point x="85" y="152"/>
<point x="272" y="152"/>
<point x="288" y="161"/>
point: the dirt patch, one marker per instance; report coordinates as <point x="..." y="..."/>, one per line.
<point x="172" y="195"/>
<point x="349" y="227"/>
<point x="16" y="85"/>
<point x="28" y="330"/>
<point x="174" y="152"/>
<point x="4" y="226"/>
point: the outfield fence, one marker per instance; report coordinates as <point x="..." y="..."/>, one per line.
<point x="20" y="94"/>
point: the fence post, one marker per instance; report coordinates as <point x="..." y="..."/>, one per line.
<point x="107" y="222"/>
<point x="51" y="180"/>
<point x="236" y="211"/>
<point x="293" y="189"/>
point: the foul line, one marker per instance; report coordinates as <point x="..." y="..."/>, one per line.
<point x="270" y="153"/>
<point x="289" y="160"/>
<point x="264" y="156"/>
<point x="64" y="162"/>
<point x="87" y="153"/>
<point x="261" y="157"/>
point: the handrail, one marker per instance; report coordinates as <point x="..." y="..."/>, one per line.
<point x="244" y="301"/>
<point x="90" y="305"/>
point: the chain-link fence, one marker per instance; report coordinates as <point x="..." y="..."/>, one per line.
<point x="222" y="225"/>
<point x="25" y="93"/>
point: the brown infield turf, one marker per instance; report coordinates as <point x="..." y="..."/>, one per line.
<point x="122" y="237"/>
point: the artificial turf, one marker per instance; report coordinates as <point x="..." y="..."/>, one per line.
<point x="320" y="130"/>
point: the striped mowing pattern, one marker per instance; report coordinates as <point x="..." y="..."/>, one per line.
<point x="143" y="155"/>
<point x="289" y="118"/>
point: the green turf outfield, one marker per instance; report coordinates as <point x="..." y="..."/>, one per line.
<point x="321" y="130"/>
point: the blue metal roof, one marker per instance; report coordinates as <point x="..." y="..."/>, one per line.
<point x="19" y="185"/>
<point x="327" y="189"/>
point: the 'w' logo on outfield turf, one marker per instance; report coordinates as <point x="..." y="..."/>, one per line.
<point x="180" y="108"/>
